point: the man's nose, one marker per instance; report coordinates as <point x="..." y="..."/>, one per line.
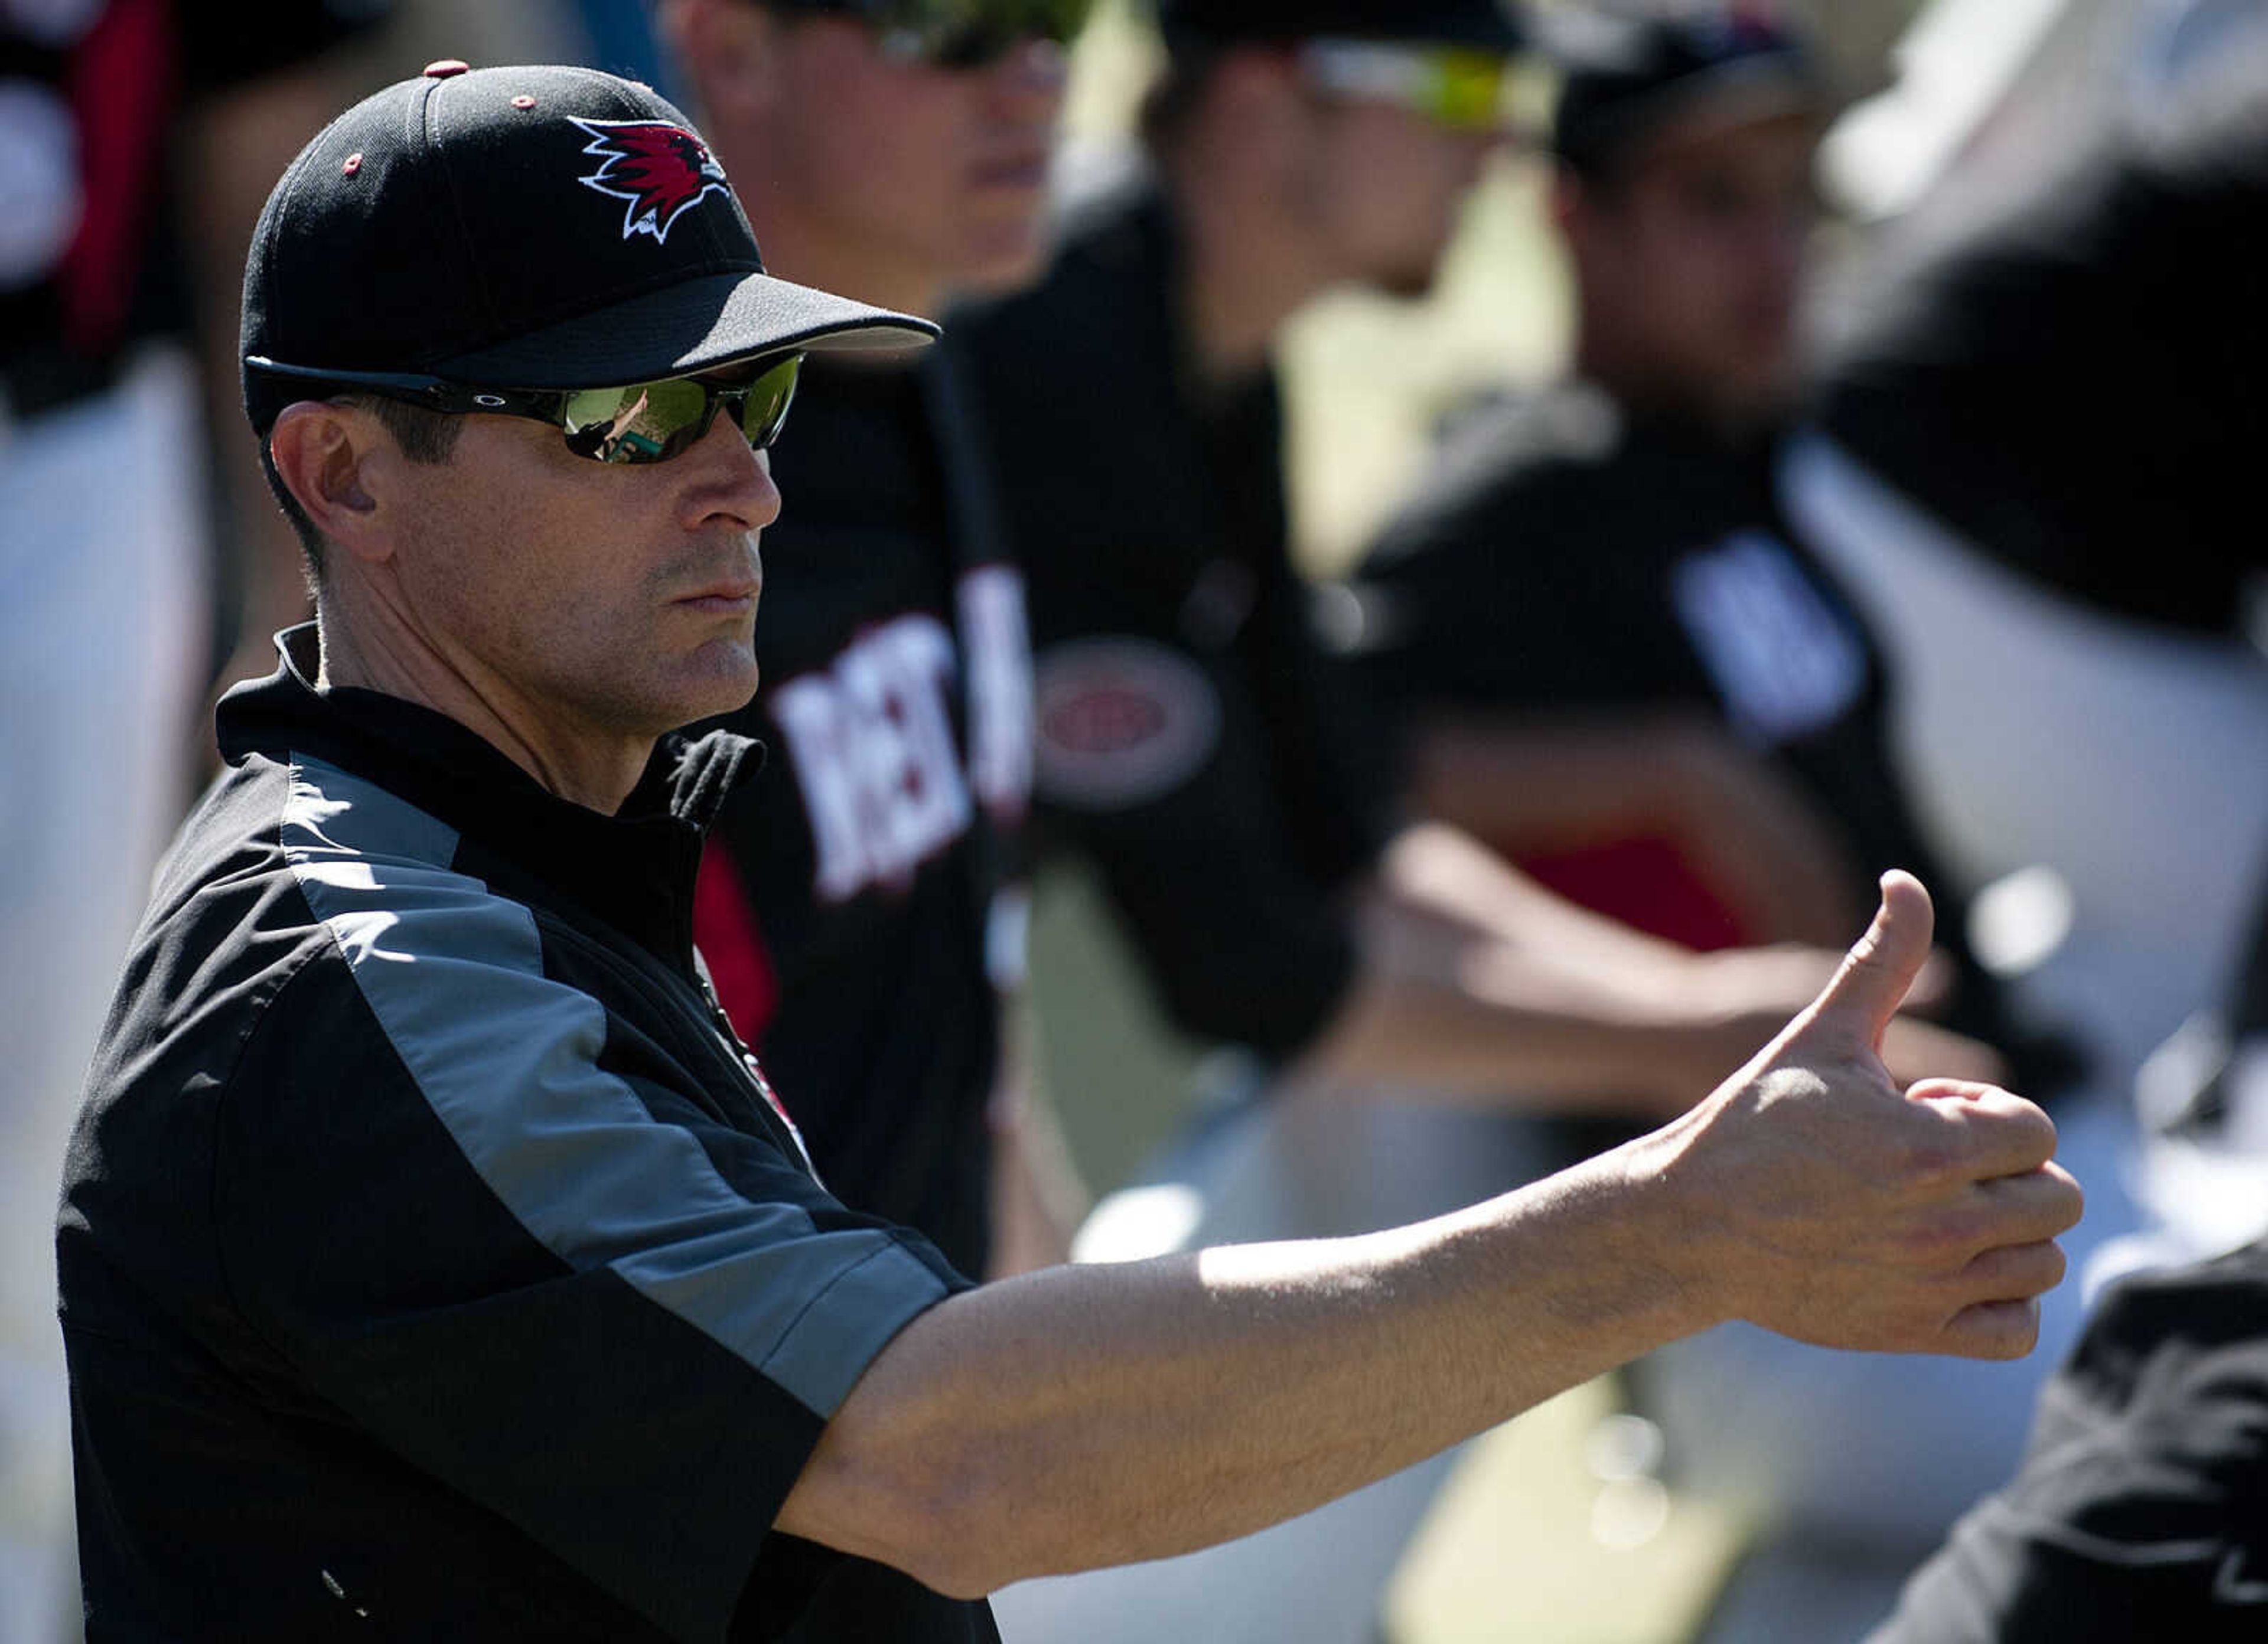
<point x="728" y="478"/>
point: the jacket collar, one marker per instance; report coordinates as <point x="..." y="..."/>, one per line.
<point x="634" y="870"/>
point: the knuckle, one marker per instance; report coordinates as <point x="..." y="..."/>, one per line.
<point x="2054" y="1264"/>
<point x="1939" y="1242"/>
<point x="2024" y="1269"/>
<point x="1928" y="1160"/>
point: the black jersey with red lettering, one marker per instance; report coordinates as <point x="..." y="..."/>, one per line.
<point x="858" y="910"/>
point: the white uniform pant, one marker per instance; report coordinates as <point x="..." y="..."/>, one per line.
<point x="103" y="631"/>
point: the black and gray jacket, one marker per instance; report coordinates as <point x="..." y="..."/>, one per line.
<point x="433" y="1263"/>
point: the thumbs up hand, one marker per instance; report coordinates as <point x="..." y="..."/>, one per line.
<point x="1828" y="1205"/>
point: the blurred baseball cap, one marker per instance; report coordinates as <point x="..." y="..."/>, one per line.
<point x="519" y="228"/>
<point x="1625" y="75"/>
<point x="1486" y="25"/>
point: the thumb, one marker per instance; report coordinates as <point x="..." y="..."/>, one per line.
<point x="1872" y="980"/>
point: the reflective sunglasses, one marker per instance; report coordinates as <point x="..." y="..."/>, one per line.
<point x="958" y="34"/>
<point x="1458" y="88"/>
<point x="637" y="422"/>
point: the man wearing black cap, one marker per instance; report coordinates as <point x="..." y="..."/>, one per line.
<point x="1193" y="741"/>
<point x="435" y="1262"/>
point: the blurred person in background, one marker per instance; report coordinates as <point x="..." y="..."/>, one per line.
<point x="136" y="143"/>
<point x="1194" y="740"/>
<point x="860" y="908"/>
<point x="1609" y="658"/>
<point x="2101" y="333"/>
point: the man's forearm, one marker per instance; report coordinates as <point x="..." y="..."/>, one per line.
<point x="1086" y="1416"/>
<point x="1443" y="874"/>
<point x="1095" y="1415"/>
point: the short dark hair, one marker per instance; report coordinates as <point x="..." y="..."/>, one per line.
<point x="426" y="436"/>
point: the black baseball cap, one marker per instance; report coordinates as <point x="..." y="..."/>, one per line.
<point x="1624" y="77"/>
<point x="1484" y="25"/>
<point x="519" y="228"/>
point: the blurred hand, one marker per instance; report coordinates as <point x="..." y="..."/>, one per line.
<point x="1830" y="1206"/>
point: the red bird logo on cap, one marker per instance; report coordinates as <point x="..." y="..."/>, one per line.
<point x="661" y="169"/>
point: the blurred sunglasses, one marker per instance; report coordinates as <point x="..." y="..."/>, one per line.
<point x="637" y="422"/>
<point x="958" y="34"/>
<point x="1460" y="89"/>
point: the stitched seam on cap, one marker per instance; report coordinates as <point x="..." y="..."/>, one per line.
<point x="475" y="274"/>
<point x="287" y="197"/>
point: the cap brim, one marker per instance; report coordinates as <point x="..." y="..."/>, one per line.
<point x="691" y="325"/>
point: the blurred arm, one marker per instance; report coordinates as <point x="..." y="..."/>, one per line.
<point x="1475" y="982"/>
<point x="1529" y="786"/>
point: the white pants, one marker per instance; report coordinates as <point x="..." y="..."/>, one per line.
<point x="103" y="626"/>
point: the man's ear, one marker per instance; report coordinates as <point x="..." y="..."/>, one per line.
<point x="321" y="452"/>
<point x="731" y="51"/>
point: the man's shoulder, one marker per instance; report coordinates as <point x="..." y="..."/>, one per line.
<point x="2157" y="1429"/>
<point x="2141" y="1509"/>
<point x="2183" y="1340"/>
<point x="1509" y="471"/>
<point x="290" y="877"/>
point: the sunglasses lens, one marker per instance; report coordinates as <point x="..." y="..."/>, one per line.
<point x="764" y="412"/>
<point x="654" y="421"/>
<point x="642" y="422"/>
<point x="973" y="33"/>
<point x="1467" y="89"/>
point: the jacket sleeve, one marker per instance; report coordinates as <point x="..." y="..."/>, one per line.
<point x="534" y="1269"/>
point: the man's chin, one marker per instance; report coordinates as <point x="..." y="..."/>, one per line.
<point x="1005" y="262"/>
<point x="722" y="677"/>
